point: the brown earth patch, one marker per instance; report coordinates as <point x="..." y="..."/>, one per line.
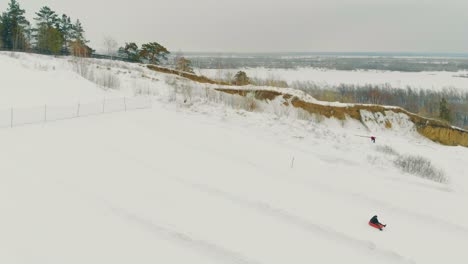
<point x="258" y="94"/>
<point x="388" y="124"/>
<point x="190" y="76"/>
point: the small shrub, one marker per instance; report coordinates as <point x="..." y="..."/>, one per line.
<point x="386" y="149"/>
<point x="241" y="78"/>
<point x="183" y="64"/>
<point x="81" y="67"/>
<point x="250" y="102"/>
<point x="186" y="90"/>
<point x="420" y="166"/>
<point x="271" y="80"/>
<point x="318" y="118"/>
<point x="14" y="55"/>
<point x="303" y="115"/>
<point x="96" y="75"/>
<point x="107" y="79"/>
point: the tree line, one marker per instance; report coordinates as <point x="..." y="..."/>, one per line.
<point x="52" y="33"/>
<point x="330" y="61"/>
<point x="56" y="34"/>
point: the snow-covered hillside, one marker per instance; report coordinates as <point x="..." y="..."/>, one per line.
<point x="197" y="179"/>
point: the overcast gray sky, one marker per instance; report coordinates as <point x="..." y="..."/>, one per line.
<point x="272" y="25"/>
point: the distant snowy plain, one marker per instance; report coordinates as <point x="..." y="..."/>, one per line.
<point x="206" y="183"/>
<point x="326" y="77"/>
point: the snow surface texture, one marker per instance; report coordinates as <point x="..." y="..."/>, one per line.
<point x="207" y="182"/>
<point x="325" y="77"/>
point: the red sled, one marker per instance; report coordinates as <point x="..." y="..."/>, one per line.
<point x="378" y="226"/>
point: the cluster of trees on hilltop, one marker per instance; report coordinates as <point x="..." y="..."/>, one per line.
<point x="152" y="52"/>
<point x="51" y="34"/>
<point x="57" y="34"/>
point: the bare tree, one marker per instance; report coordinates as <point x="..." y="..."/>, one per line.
<point x="111" y="46"/>
<point x="184" y="64"/>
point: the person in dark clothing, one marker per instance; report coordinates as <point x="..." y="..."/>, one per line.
<point x="374" y="222"/>
<point x="373" y="139"/>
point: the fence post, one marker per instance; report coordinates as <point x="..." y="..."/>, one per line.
<point x="45" y="113"/>
<point x="11" y="117"/>
<point x="103" y="105"/>
<point x="125" y="103"/>
<point x="78" y="110"/>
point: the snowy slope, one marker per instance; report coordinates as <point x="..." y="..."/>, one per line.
<point x="206" y="183"/>
<point x="29" y="80"/>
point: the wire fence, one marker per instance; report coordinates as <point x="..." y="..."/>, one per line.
<point x="47" y="113"/>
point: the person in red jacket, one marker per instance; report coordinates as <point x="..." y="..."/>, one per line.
<point x="374" y="222"/>
<point x="372" y="138"/>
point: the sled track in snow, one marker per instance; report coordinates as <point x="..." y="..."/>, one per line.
<point x="304" y="224"/>
<point x="277" y="213"/>
<point x="418" y="217"/>
<point x="212" y="250"/>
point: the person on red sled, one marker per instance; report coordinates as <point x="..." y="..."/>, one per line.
<point x="374" y="222"/>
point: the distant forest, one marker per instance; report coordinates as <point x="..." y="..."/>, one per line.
<point x="317" y="60"/>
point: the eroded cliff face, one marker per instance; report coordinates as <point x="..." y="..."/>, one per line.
<point x="446" y="136"/>
<point x="385" y="117"/>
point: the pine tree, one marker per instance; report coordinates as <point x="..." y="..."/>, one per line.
<point x="241" y="78"/>
<point x="77" y="32"/>
<point x="130" y="52"/>
<point x="153" y="52"/>
<point x="16" y="31"/>
<point x="183" y="64"/>
<point x="444" y="111"/>
<point x="1" y="32"/>
<point x="78" y="41"/>
<point x="46" y="17"/>
<point x="48" y="38"/>
<point x="65" y="27"/>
